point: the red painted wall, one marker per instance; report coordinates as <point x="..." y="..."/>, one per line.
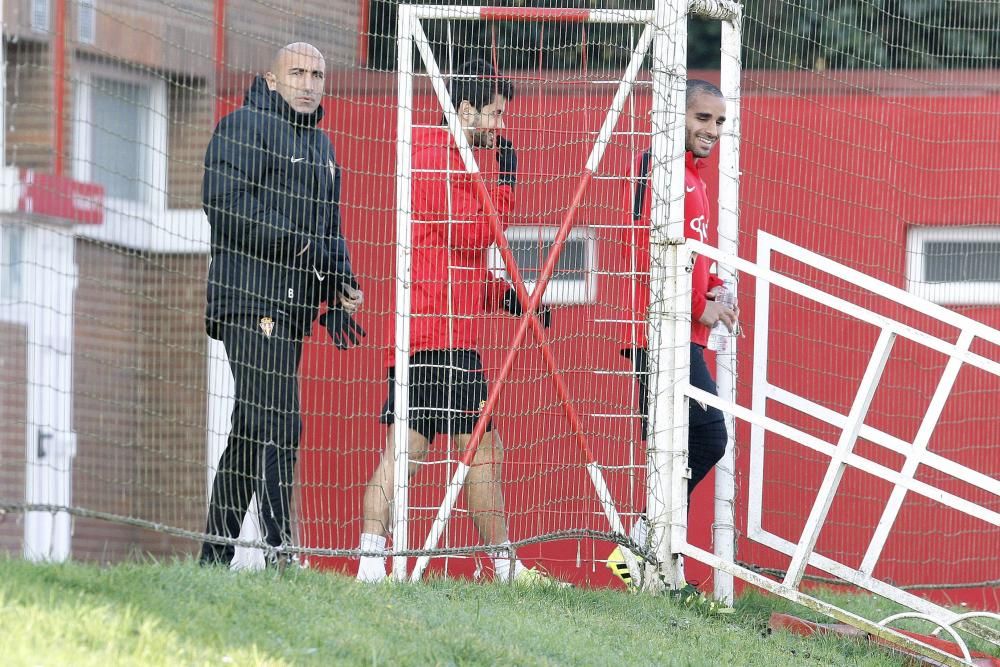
<point x="845" y="176"/>
<point x="839" y="174"/>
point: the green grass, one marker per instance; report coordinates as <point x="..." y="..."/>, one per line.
<point x="180" y="614"/>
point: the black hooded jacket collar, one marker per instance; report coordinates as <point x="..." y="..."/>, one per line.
<point x="263" y="98"/>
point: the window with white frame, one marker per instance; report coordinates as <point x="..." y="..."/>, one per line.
<point x="41" y="15"/>
<point x="86" y="21"/>
<point x="954" y="265"/>
<point x="572" y="281"/>
<point x="120" y="135"/>
<point x="11" y="262"/>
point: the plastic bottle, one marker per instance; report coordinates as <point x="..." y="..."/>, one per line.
<point x="719" y="337"/>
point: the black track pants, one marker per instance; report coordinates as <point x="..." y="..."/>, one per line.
<point x="263" y="443"/>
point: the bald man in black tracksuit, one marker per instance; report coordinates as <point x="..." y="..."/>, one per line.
<point x="271" y="192"/>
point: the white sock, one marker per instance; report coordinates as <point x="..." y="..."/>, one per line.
<point x="502" y="562"/>
<point x="372" y="568"/>
<point x="639" y="531"/>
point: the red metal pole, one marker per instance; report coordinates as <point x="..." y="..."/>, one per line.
<point x="530" y="304"/>
<point x="534" y="14"/>
<point x="220" y="56"/>
<point x="59" y="86"/>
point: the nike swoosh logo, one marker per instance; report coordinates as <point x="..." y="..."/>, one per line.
<point x="297" y="159"/>
<point x="686" y="189"/>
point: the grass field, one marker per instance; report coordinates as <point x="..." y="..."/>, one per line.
<point x="181" y="614"/>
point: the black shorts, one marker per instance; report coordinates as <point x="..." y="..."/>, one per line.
<point x="700" y="378"/>
<point x="447" y="392"/>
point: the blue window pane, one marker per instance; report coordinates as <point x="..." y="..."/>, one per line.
<point x="118" y="137"/>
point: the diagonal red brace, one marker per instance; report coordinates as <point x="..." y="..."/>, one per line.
<point x="530" y="306"/>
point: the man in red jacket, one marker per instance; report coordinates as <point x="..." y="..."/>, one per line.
<point x="706" y="109"/>
<point x="452" y="289"/>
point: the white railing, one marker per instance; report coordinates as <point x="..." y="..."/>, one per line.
<point x="803" y="552"/>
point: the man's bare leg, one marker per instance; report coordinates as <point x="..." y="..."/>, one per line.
<point x="378" y="501"/>
<point x="483" y="491"/>
<point x="484" y="496"/>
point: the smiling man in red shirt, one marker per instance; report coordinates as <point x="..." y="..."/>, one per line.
<point x="706" y="113"/>
<point x="452" y="289"/>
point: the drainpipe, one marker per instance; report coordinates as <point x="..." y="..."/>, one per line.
<point x="59" y="86"/>
<point x="220" y="55"/>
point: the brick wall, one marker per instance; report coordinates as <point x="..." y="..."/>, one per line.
<point x="139" y="379"/>
<point x="13" y="417"/>
<point x="190" y="127"/>
<point x="174" y="381"/>
<point x="179" y="36"/>
<point x="29" y="106"/>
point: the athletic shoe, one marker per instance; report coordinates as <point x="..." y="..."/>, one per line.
<point x="616" y="563"/>
<point x="372" y="577"/>
<point x="371" y="570"/>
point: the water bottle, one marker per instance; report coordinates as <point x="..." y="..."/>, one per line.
<point x="719" y="336"/>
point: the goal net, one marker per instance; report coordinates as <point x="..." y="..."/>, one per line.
<point x="857" y="135"/>
<point x="123" y="405"/>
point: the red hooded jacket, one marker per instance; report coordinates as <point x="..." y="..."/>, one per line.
<point x="452" y="286"/>
<point x="697" y="217"/>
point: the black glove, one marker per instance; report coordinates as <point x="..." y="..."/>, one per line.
<point x="507" y="161"/>
<point x="342" y="328"/>
<point x="513" y="306"/>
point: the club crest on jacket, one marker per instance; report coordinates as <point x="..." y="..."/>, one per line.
<point x="267" y="326"/>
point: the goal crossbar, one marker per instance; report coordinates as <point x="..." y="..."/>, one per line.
<point x="721" y="10"/>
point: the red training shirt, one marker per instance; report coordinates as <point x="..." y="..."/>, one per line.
<point x="697" y="217"/>
<point x="452" y="286"/>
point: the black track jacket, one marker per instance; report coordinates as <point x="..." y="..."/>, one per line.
<point x="272" y="186"/>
